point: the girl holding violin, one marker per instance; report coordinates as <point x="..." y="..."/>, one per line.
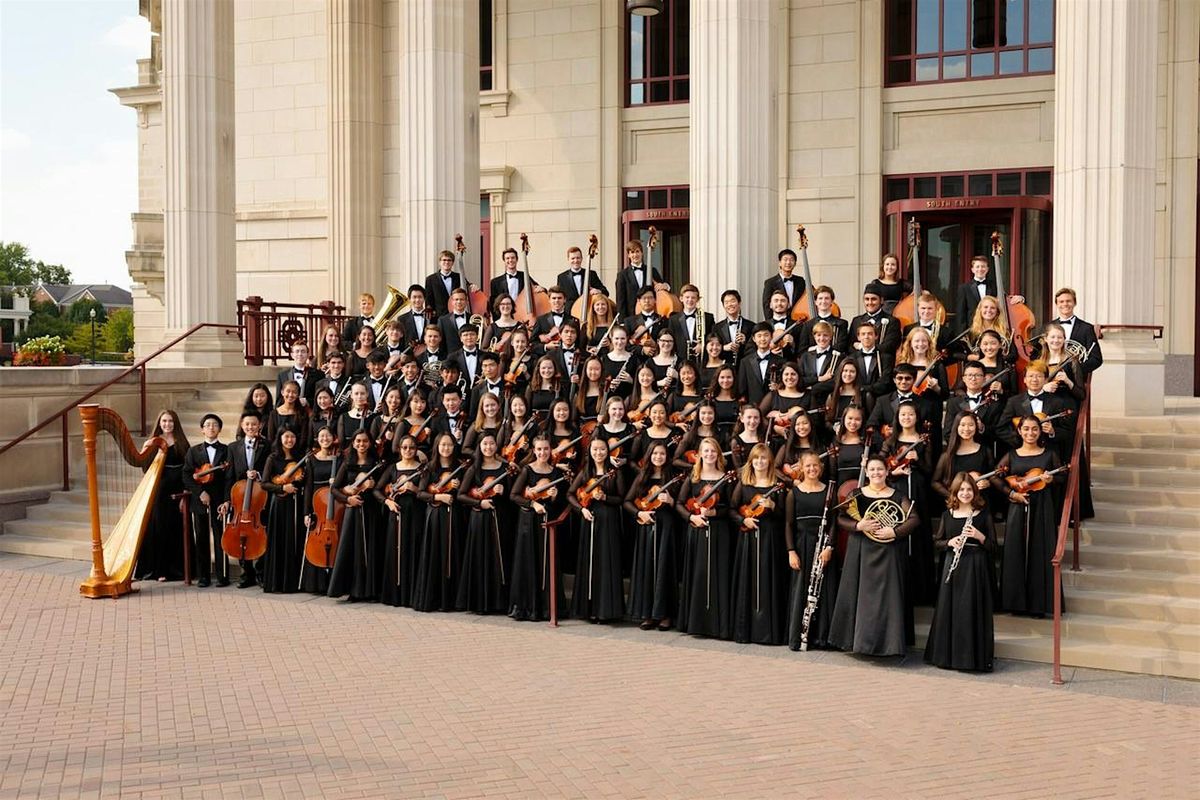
<point x="704" y="426"/>
<point x="364" y="345"/>
<point x="483" y="582"/>
<point x="917" y="349"/>
<point x="657" y="432"/>
<point x="961" y="635"/>
<point x="965" y="453"/>
<point x="516" y="434"/>
<point x="317" y="474"/>
<point x="806" y="507"/>
<point x="591" y="391"/>
<point x="563" y="435"/>
<point x="543" y="388"/>
<point x="747" y="433"/>
<point x="283" y="479"/>
<point x="759" y="590"/>
<point x="161" y="556"/>
<point x="620" y="366"/>
<point x="784" y="404"/>
<point x="712" y="362"/>
<point x="519" y="363"/>
<point x="540" y="493"/>
<point x="614" y="426"/>
<point x="386" y="424"/>
<point x="600" y="319"/>
<point x="324" y="413"/>
<point x="258" y="402"/>
<point x="415" y="423"/>
<point x="1026" y="572"/>
<point x="396" y="493"/>
<point x="1065" y="379"/>
<point x="488" y="419"/>
<point x="436" y="587"/>
<point x="910" y="462"/>
<point x="654" y="579"/>
<point x="704" y="601"/>
<point x="356" y="567"/>
<point x="498" y="333"/>
<point x="870" y="615"/>
<point x="802" y="438"/>
<point x="991" y="355"/>
<point x="890" y="287"/>
<point x="645" y="392"/>
<point x="358" y="418"/>
<point x="289" y="414"/>
<point x="686" y="396"/>
<point x="596" y="494"/>
<point x="847" y="391"/>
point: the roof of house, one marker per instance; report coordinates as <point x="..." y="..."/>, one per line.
<point x="107" y="294"/>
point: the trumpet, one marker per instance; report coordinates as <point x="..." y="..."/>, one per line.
<point x="343" y="395"/>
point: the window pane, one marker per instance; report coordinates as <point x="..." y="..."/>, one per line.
<point x="900" y="28"/>
<point x="925" y="187"/>
<point x="983" y="23"/>
<point x="1041" y="59"/>
<point x="1041" y="21"/>
<point x="485" y="207"/>
<point x="897" y="189"/>
<point x="681" y="37"/>
<point x="637" y="94"/>
<point x="1012" y="62"/>
<point x="681" y="90"/>
<point x="485" y="33"/>
<point x="952" y="186"/>
<point x="927" y="26"/>
<point x="899" y="72"/>
<point x="1037" y="183"/>
<point x="485" y="79"/>
<point x="979" y="185"/>
<point x="954" y="67"/>
<point x="657" y="198"/>
<point x="658" y="47"/>
<point x="637" y="47"/>
<point x="1008" y="183"/>
<point x="635" y="201"/>
<point x="927" y="69"/>
<point x="1014" y="10"/>
<point x="660" y="92"/>
<point x="983" y="64"/>
<point x="954" y="25"/>
<point x="680" y="198"/>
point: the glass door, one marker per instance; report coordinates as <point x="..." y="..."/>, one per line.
<point x="671" y="256"/>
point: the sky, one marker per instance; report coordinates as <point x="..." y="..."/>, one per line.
<point x="68" y="148"/>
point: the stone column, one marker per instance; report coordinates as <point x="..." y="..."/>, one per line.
<point x="439" y="132"/>
<point x="734" y="186"/>
<point x="198" y="121"/>
<point x="1104" y="154"/>
<point x="355" y="148"/>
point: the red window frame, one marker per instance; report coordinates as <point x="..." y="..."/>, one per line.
<point x="940" y="180"/>
<point x="967" y="52"/>
<point x="679" y="87"/>
<point x="486" y="47"/>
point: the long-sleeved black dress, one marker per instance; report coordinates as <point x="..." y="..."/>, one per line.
<point x="705" y="605"/>
<point x="280" y="570"/>
<point x="314" y="579"/>
<point x="961" y="635"/>
<point x="870" y="615"/>
<point x="161" y="555"/>
<point x="599" y="589"/>
<point x="803" y="513"/>
<point x="442" y="538"/>
<point x="657" y="552"/>
<point x="921" y="582"/>
<point x="483" y="581"/>
<point x="1030" y="536"/>
<point x="760" y="583"/>
<point x="529" y="583"/>
<point x="400" y="536"/>
<point x="356" y="568"/>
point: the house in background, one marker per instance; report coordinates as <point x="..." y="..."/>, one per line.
<point x="63" y="295"/>
<point x="14" y="316"/>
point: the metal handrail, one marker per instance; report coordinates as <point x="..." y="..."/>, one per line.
<point x="139" y="367"/>
<point x="1071" y="509"/>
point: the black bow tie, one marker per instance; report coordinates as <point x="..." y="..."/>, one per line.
<point x="981" y="283"/>
<point x="1037" y="396"/>
<point x="689" y="316"/>
<point x="1070" y="321"/>
<point x="470" y="353"/>
<point x="868" y="352"/>
<point x="376" y="381"/>
<point x="767" y="357"/>
<point x="491" y="385"/>
<point x="822" y="353"/>
<point x="460" y="316"/>
<point x="975" y="399"/>
<point x="903" y="397"/>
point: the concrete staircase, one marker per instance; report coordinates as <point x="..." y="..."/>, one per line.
<point x="61" y="527"/>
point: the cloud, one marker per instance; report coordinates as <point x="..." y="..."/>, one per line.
<point x="12" y="139"/>
<point x="131" y="33"/>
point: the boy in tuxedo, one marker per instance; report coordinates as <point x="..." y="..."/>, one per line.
<point x="453" y="320"/>
<point x="684" y="325"/>
<point x="206" y="499"/>
<point x="874" y="365"/>
<point x="633" y="278"/>
<point x="511" y="281"/>
<point x="884" y="413"/>
<point x="301" y="373"/>
<point x="1076" y="329"/>
<point x="549" y="325"/>
<point x="970" y="293"/>
<point x="440" y="284"/>
<point x="887" y="329"/>
<point x="755" y="368"/>
<point x="336" y="380"/>
<point x="824" y="298"/>
<point x="246" y="460"/>
<point x="974" y="400"/>
<point x="571" y="280"/>
<point x="366" y="310"/>
<point x="791" y="285"/>
<point x="734" y="330"/>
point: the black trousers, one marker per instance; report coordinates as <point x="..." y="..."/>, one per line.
<point x="206" y="543"/>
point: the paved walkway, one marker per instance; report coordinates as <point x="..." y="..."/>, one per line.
<point x="205" y="693"/>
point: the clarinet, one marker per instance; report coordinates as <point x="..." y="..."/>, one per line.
<point x="970" y="526"/>
<point x="816" y="576"/>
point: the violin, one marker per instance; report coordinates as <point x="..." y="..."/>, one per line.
<point x="245" y="536"/>
<point x="1044" y="417"/>
<point x="393" y="489"/>
<point x="793" y="470"/>
<point x="686" y="413"/>
<point x="898" y="458"/>
<point x="382" y="442"/>
<point x="420" y="433"/>
<point x="992" y="395"/>
<point x="920" y="385"/>
<point x="983" y="476"/>
<point x="321" y="545"/>
<point x="587" y="493"/>
<point x="292" y="473"/>
<point x="787" y="418"/>
<point x="777" y="344"/>
<point x="650" y="500"/>
<point x="757" y="506"/>
<point x="361" y="482"/>
<point x="448" y="480"/>
<point x="565" y="450"/>
<point x="1035" y="480"/>
<point x="639" y="413"/>
<point x="614" y="450"/>
<point x="511" y="378"/>
<point x="490" y="489"/>
<point x="500" y="342"/>
<point x="510" y="451"/>
<point x="205" y="475"/>
<point x="541" y="490"/>
<point x="708" y="498"/>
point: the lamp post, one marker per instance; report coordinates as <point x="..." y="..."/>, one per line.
<point x="92" y="314"/>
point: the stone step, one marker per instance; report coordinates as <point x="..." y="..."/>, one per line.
<point x="1139" y="538"/>
<point x="1137" y="457"/>
<point x="1131" y="437"/>
<point x="1134" y="606"/>
<point x="1116" y="557"/>
<point x="72" y="513"/>
<point x="65" y="530"/>
<point x="1147" y="516"/>
<point x="1114" y="476"/>
<point x="1092" y="577"/>
<point x="21" y="544"/>
<point x="1148" y="495"/>
<point x="1167" y="423"/>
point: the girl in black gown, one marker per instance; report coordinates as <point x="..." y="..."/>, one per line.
<point x="912" y="477"/>
<point x="436" y="587"/>
<point x="258" y="402"/>
<point x="746" y="435"/>
<point x="890" y="287"/>
<point x="280" y="570"/>
<point x="704" y="426"/>
<point x="385" y="426"/>
<point x="518" y="364"/>
<point x="591" y="391"/>
<point x="322" y="467"/>
<point x="540" y="493"/>
<point x="1031" y="531"/>
<point x="782" y="407"/>
<point x="705" y="607"/>
<point x="654" y="582"/>
<point x="964" y="453"/>
<point x="599" y="590"/>
<point x="726" y="402"/>
<point x="416" y="423"/>
<point x="358" y="418"/>
<point x="356" y="566"/>
<point x="564" y="436"/>
<point x="870" y="615"/>
<point x="289" y="414"/>
<point x="1065" y="379"/>
<point x="805" y="511"/>
<point x="483" y="582"/>
<point x="405" y="519"/>
<point x="802" y="438"/>
<point x="543" y="388"/>
<point x="620" y="366"/>
<point x="712" y="361"/>
<point x="847" y="391"/>
<point x="324" y="415"/>
<point x="645" y="392"/>
<point x="161" y="556"/>
<point x="759" y="584"/>
<point x="686" y="397"/>
<point x="518" y="430"/>
<point x="961" y="635"/>
<point x="657" y="432"/>
<point x="488" y="419"/>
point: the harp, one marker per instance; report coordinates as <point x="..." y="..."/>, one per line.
<point x="113" y="559"/>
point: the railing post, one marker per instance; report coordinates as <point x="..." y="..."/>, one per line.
<point x="142" y="395"/>
<point x="66" y="456"/>
<point x="1057" y="676"/>
<point x="253" y="322"/>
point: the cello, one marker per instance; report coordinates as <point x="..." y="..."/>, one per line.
<point x="799" y="313"/>
<point x="905" y="311"/>
<point x="477" y="299"/>
<point x="533" y="301"/>
<point x="579" y="308"/>
<point x="1019" y="316"/>
<point x="665" y="302"/>
<point x="321" y="545"/>
<point x="245" y="536"/>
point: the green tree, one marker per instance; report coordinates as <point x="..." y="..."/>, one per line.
<point x="81" y="309"/>
<point x="118" y="331"/>
<point x="45" y="320"/>
<point x="19" y="269"/>
<point x="80" y="340"/>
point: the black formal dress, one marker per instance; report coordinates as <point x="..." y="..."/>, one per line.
<point x="705" y="605"/>
<point x="314" y="579"/>
<point x="483" y="581"/>
<point x="599" y="589"/>
<point x="436" y="587"/>
<point x="356" y="567"/>
<point x="161" y="555"/>
<point x="961" y="635"/>
<point x="529" y="584"/>
<point x="401" y="535"/>
<point x="285" y="531"/>
<point x="657" y="554"/>
<point x="803" y="513"/>
<point x="760" y="585"/>
<point x="1031" y="535"/>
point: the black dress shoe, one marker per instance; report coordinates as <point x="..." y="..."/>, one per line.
<point x="246" y="583"/>
<point x="222" y="581"/>
<point x="204" y="583"/>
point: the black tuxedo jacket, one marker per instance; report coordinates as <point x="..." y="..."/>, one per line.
<point x="634" y="321"/>
<point x="776" y="282"/>
<point x="543" y="325"/>
<point x="238" y="467"/>
<point x="628" y="288"/>
<point x="441" y="424"/>
<point x="350" y="331"/>
<point x="499" y="284"/>
<point x="566" y="282"/>
<point x="877" y="380"/>
<point x="460" y="357"/>
<point x="841" y="334"/>
<point x="449" y="326"/>
<point x="751" y="383"/>
<point x="408" y="323"/>
<point x="308" y="387"/>
<point x="335" y="385"/>
<point x="966" y="300"/>
<point x="887" y="330"/>
<point x="479" y="390"/>
<point x="1020" y="405"/>
<point x="809" y="374"/>
<point x="1085" y="334"/>
<point x="197" y="457"/>
<point x="989" y="416"/>
<point x="436" y="294"/>
<point x="726" y="335"/>
<point x="884" y="412"/>
<point x="677" y="325"/>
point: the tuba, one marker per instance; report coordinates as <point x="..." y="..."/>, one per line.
<point x="395" y="305"/>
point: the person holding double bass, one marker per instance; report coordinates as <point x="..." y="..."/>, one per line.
<point x="247" y="458"/>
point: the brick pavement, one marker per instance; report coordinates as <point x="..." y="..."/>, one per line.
<point x="179" y="693"/>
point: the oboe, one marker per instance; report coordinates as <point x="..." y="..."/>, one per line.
<point x="816" y="575"/>
<point x="967" y="529"/>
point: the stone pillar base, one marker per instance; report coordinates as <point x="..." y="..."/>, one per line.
<point x="204" y="348"/>
<point x="1133" y="379"/>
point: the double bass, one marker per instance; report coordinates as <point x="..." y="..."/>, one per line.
<point x="803" y="311"/>
<point x="533" y="301"/>
<point x="321" y="545"/>
<point x="579" y="308"/>
<point x="245" y="536"/>
<point x="477" y="298"/>
<point x="905" y="311"/>
<point x="665" y="302"/>
<point x="1019" y="316"/>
